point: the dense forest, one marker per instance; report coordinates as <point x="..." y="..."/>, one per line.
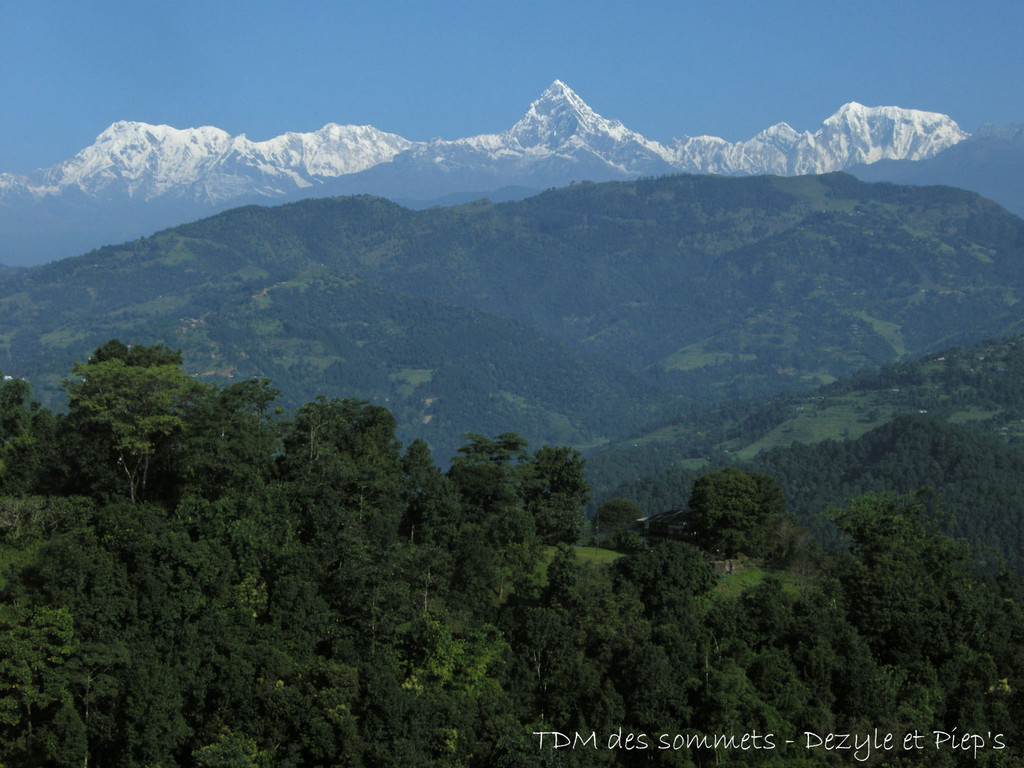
<point x="190" y="576"/>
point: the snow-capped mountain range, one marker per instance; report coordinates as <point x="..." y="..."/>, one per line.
<point x="194" y="171"/>
<point x="137" y="160"/>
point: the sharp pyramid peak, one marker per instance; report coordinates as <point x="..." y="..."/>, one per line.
<point x="558" y="88"/>
<point x="558" y="94"/>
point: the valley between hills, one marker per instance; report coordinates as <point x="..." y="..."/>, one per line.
<point x="338" y="482"/>
<point x="658" y="324"/>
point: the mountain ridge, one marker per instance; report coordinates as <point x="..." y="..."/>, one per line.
<point x="199" y="171"/>
<point x="702" y="288"/>
<point x="558" y="121"/>
<point x="990" y="162"/>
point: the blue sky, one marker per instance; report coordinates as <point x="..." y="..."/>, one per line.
<point x="453" y="69"/>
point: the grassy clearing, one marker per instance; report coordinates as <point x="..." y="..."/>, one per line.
<point x="695" y="356"/>
<point x="251" y="272"/>
<point x="670" y="433"/>
<point x="267" y="326"/>
<point x="735" y="584"/>
<point x="693" y="464"/>
<point x="62" y="338"/>
<point x="156" y="307"/>
<point x="414" y="376"/>
<point x="982" y="254"/>
<point x="812" y="425"/>
<point x="818" y="378"/>
<point x="596" y="555"/>
<point x="561" y="426"/>
<point x="972" y="414"/>
<point x="410" y="378"/>
<point x="891" y="332"/>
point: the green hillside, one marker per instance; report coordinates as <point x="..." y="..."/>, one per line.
<point x="771" y="277"/>
<point x="578" y="315"/>
<point x="978" y="385"/>
<point x="952" y="421"/>
<point x="442" y="370"/>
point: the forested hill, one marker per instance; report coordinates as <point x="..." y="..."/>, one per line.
<point x="952" y="421"/>
<point x="189" y="578"/>
<point x="977" y="385"/>
<point x="707" y="288"/>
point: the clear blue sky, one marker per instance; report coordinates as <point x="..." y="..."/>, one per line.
<point x="453" y="69"/>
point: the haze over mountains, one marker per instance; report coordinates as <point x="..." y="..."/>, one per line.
<point x="990" y="162"/>
<point x="571" y="316"/>
<point x="137" y="178"/>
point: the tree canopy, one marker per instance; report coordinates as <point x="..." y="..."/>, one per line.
<point x="731" y="510"/>
<point x="301" y="591"/>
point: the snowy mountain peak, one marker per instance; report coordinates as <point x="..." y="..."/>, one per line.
<point x="868" y="134"/>
<point x="559" y="97"/>
<point x="850" y="108"/>
<point x="139" y="160"/>
<point x="853" y="134"/>
<point x="560" y="122"/>
<point x="126" y="129"/>
<point x="143" y="161"/>
<point x="780" y="132"/>
<point x="853" y="112"/>
<point x="558" y="139"/>
<point x="557" y="116"/>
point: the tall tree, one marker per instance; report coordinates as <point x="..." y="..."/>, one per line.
<point x="555" y="492"/>
<point x="136" y="397"/>
<point x="231" y="440"/>
<point x="616" y="515"/>
<point x="34" y="646"/>
<point x="27" y="438"/>
<point x="346" y="465"/>
<point x="499" y="536"/>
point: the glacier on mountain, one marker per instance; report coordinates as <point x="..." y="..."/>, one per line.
<point x="137" y="160"/>
<point x="138" y="177"/>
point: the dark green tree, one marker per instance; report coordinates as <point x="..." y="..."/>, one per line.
<point x="616" y="515"/>
<point x="433" y="510"/>
<point x="35" y="645"/>
<point x="231" y="440"/>
<point x="28" y="450"/>
<point x="731" y="510"/>
<point x="345" y="464"/>
<point x="908" y="585"/>
<point x="498" y="541"/>
<point x="555" y="491"/>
